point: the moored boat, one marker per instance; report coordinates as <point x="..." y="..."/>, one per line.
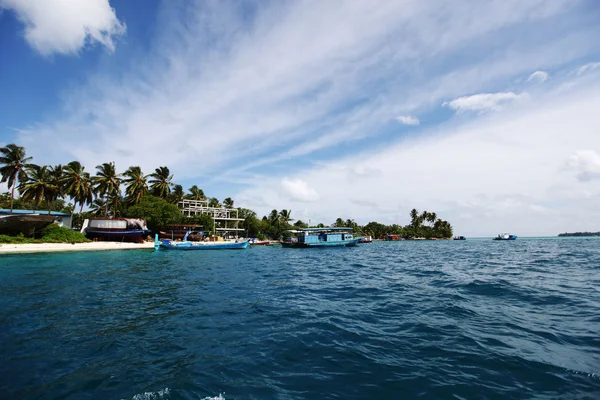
<point x="168" y="244"/>
<point x="459" y="238"/>
<point x="365" y="239"/>
<point x="505" y="236"/>
<point x="115" y="229"/>
<point x="321" y="237"/>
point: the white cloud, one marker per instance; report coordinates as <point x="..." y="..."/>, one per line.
<point x="64" y="26"/>
<point x="503" y="171"/>
<point x="586" y="163"/>
<point x="587" y="68"/>
<point x="298" y="190"/>
<point x="538" y="76"/>
<point x="481" y="102"/>
<point x="226" y="98"/>
<point x="408" y="120"/>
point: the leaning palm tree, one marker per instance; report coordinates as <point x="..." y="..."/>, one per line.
<point x="161" y="182"/>
<point x="107" y="182"/>
<point x="13" y="163"/>
<point x="38" y="186"/>
<point x="228" y="202"/>
<point x="136" y="184"/>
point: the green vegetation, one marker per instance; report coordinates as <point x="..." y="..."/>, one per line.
<point x="154" y="197"/>
<point x="50" y="234"/>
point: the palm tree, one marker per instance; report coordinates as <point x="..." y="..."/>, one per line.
<point x="98" y="206"/>
<point x="14" y="162"/>
<point x="161" y="182"/>
<point x="274" y="217"/>
<point x="137" y="185"/>
<point x="57" y="175"/>
<point x="286" y="216"/>
<point x="228" y="202"/>
<point x="432" y="217"/>
<point x="196" y="193"/>
<point x="87" y="192"/>
<point x="177" y="194"/>
<point x="214" y="202"/>
<point x="73" y="182"/>
<point x="38" y="186"/>
<point x="107" y="182"/>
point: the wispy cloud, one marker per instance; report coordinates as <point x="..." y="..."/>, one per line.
<point x="538" y="76"/>
<point x="481" y="102"/>
<point x="587" y="68"/>
<point x="65" y="26"/>
<point x="408" y="120"/>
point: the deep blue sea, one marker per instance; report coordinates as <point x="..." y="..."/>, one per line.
<point x="474" y="319"/>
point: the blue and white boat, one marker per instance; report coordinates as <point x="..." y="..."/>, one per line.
<point x="167" y="244"/>
<point x="321" y="237"/>
<point x="505" y="236"/>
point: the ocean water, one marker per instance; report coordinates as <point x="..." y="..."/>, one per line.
<point x="388" y="320"/>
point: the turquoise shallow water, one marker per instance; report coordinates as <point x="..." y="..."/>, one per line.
<point x="455" y="319"/>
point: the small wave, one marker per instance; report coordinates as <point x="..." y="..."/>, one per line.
<point x="161" y="394"/>
<point x="219" y="397"/>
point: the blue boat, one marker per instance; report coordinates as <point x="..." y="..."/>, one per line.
<point x="505" y="236"/>
<point x="168" y="244"/>
<point x="322" y="237"/>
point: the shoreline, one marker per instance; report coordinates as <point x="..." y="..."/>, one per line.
<point x="27" y="248"/>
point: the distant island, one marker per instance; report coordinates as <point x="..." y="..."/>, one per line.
<point x="580" y="234"/>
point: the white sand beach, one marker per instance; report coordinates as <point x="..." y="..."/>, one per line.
<point x="54" y="247"/>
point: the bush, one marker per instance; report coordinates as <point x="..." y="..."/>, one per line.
<point x="58" y="234"/>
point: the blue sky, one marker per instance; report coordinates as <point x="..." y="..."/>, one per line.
<point x="484" y="112"/>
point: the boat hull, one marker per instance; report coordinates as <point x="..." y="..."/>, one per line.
<point x="299" y="245"/>
<point x="190" y="246"/>
<point x="26" y="224"/>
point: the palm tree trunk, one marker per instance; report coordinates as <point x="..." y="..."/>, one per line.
<point x="12" y="196"/>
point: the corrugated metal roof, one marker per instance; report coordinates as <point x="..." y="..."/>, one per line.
<point x="4" y="211"/>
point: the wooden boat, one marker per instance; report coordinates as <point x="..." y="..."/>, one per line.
<point x="321" y="237"/>
<point x="505" y="236"/>
<point x="393" y="237"/>
<point x="256" y="242"/>
<point x="26" y="224"/>
<point x="115" y="229"/>
<point x="167" y="244"/>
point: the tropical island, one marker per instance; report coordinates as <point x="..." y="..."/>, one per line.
<point x="157" y="199"/>
<point x="580" y="234"/>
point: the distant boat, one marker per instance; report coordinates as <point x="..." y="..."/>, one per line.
<point x="365" y="239"/>
<point x="393" y="237"/>
<point x="321" y="237"/>
<point x="256" y="242"/>
<point x="167" y="244"/>
<point x="505" y="236"/>
<point x="459" y="238"/>
<point x="115" y="229"/>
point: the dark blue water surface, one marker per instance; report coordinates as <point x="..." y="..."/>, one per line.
<point x="474" y="319"/>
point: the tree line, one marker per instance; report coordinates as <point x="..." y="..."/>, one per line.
<point x="155" y="196"/>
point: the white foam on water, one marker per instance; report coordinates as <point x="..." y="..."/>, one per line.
<point x="161" y="394"/>
<point x="219" y="397"/>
